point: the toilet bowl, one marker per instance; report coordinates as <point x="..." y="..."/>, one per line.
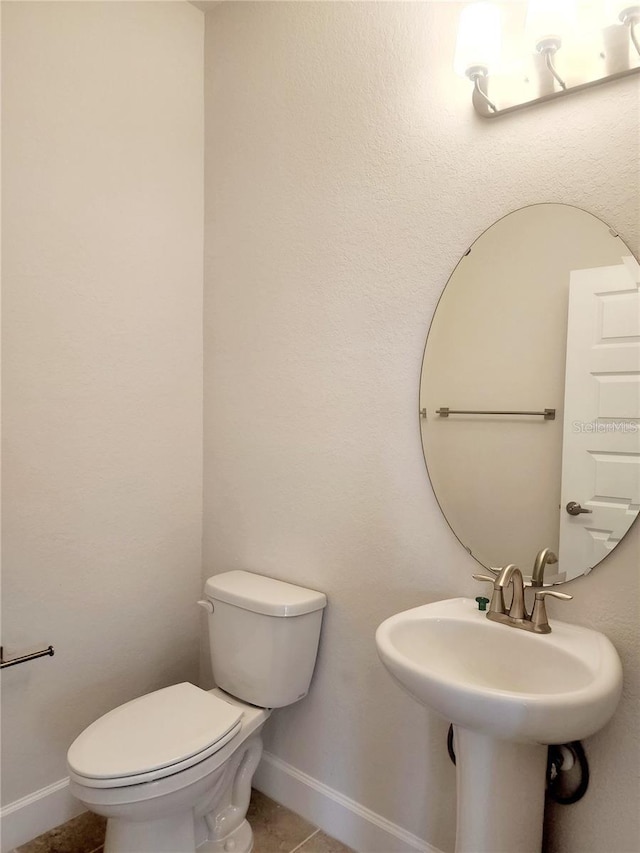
<point x="161" y="801"/>
<point x="171" y="771"/>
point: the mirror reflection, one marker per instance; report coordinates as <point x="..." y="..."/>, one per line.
<point x="530" y="393"/>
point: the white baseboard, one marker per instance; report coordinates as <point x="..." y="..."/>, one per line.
<point x="36" y="813"/>
<point x="342" y="818"/>
<point x="337" y="815"/>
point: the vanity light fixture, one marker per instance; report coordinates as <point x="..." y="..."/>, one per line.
<point x="478" y="47"/>
<point x="547" y="22"/>
<point x="567" y="49"/>
<point x="627" y="14"/>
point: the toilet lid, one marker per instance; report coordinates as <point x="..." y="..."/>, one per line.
<point x="166" y="730"/>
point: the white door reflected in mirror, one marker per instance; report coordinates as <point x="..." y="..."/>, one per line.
<point x="600" y="455"/>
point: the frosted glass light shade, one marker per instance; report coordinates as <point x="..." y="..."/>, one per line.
<point x="550" y="19"/>
<point x="478" y="43"/>
<point x="614" y="9"/>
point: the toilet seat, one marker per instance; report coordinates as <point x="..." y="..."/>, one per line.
<point x="152" y="737"/>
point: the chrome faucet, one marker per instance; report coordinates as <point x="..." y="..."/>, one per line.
<point x="543" y="557"/>
<point x="517" y="616"/>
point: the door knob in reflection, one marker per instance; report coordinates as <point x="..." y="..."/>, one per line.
<point x="574" y="508"/>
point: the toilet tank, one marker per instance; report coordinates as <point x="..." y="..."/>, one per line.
<point x="263" y="637"/>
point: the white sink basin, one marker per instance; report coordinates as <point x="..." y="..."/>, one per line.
<point x="500" y="681"/>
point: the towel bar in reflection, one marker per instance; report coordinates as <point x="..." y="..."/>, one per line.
<point x="445" y="411"/>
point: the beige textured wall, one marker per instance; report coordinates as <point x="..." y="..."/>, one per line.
<point x="102" y="309"/>
<point x="346" y="174"/>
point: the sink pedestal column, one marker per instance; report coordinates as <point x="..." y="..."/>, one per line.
<point x="501" y="790"/>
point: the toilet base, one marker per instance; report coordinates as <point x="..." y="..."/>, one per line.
<point x="238" y="841"/>
<point x="172" y="834"/>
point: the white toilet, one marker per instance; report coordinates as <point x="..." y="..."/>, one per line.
<point x="172" y="770"/>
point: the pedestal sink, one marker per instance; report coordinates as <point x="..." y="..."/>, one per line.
<point x="509" y="694"/>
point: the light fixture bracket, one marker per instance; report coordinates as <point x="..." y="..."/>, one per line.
<point x="478" y="74"/>
<point x="549" y="45"/>
<point x="629" y="14"/>
<point x="491" y="92"/>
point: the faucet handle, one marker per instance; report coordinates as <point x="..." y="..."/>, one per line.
<point x="542" y="593"/>
<point x="539" y="613"/>
<point x="497" y="599"/>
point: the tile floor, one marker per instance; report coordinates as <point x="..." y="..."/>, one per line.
<point x="275" y="830"/>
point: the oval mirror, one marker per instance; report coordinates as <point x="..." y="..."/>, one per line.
<point x="530" y="392"/>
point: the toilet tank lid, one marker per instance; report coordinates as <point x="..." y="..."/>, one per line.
<point x="263" y="595"/>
